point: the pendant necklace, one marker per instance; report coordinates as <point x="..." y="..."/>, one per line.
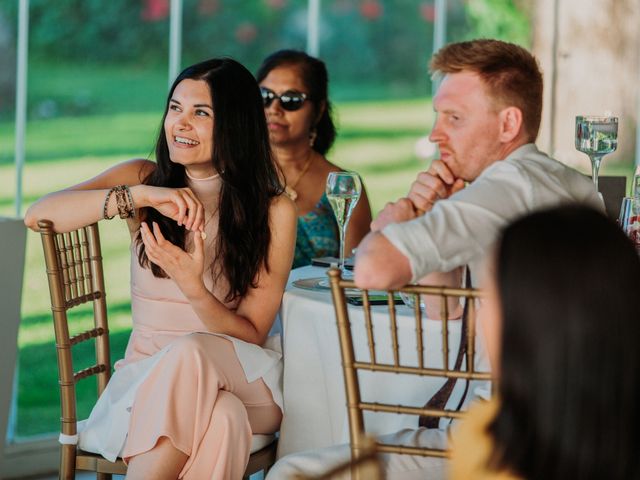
<point x="203" y="234"/>
<point x="289" y="190"/>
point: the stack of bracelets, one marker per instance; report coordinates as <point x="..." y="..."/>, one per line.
<point x="124" y="202"/>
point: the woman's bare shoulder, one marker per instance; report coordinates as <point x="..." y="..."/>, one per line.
<point x="332" y="167"/>
<point x="130" y="172"/>
<point x="137" y="168"/>
<point x="283" y="213"/>
<point x="282" y="209"/>
<point x="145" y="166"/>
<point x="323" y="168"/>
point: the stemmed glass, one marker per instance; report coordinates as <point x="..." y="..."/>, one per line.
<point x="596" y="136"/>
<point x="343" y="191"/>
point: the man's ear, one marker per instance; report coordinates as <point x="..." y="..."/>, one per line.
<point x="510" y="123"/>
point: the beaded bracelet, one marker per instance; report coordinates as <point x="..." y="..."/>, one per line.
<point x="125" y="207"/>
<point x="124" y="202"/>
<point x="132" y="208"/>
<point x="121" y="201"/>
<point x="105" y="208"/>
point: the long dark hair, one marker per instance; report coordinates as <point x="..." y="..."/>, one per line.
<point x="242" y="156"/>
<point x="569" y="384"/>
<point x="316" y="79"/>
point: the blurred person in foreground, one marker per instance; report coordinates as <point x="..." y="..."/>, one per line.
<point x="562" y="337"/>
<point x="294" y="89"/>
<point x="488" y="110"/>
<point x="562" y="341"/>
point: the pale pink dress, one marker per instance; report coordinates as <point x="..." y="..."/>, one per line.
<point x="206" y="393"/>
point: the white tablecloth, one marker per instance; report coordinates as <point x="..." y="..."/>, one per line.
<point x="315" y="414"/>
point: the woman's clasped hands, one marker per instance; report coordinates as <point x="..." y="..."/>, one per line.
<point x="181" y="205"/>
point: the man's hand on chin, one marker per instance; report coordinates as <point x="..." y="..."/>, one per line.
<point x="435" y="184"/>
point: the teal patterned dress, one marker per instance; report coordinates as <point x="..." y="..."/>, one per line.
<point x="317" y="234"/>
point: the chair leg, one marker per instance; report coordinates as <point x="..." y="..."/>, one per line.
<point x="67" y="462"/>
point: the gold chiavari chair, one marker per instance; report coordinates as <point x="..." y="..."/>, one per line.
<point x="367" y="465"/>
<point x="356" y="406"/>
<point x="75" y="272"/>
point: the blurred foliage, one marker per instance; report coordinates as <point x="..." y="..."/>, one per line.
<point x="246" y="31"/>
<point x="388" y="43"/>
<point x="369" y="44"/>
<point x="92" y="30"/>
<point x="503" y="19"/>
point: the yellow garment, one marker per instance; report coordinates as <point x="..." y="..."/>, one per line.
<point x="471" y="445"/>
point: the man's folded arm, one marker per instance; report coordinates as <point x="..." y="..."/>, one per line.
<point x="380" y="265"/>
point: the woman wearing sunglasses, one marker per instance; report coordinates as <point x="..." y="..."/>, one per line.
<point x="294" y="90"/>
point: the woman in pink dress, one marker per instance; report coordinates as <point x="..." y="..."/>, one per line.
<point x="212" y="245"/>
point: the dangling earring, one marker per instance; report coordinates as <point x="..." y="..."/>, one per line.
<point x="313" y="134"/>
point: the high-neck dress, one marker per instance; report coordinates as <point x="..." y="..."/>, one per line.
<point x="166" y="383"/>
<point x="159" y="310"/>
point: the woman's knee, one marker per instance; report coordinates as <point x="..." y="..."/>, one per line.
<point x="230" y="410"/>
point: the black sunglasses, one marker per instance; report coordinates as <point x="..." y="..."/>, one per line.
<point x="289" y="100"/>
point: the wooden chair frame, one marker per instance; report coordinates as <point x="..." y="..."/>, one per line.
<point x="351" y="365"/>
<point x="74" y="269"/>
<point x="75" y="273"/>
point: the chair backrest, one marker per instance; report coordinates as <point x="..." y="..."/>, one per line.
<point x="74" y="270"/>
<point x="352" y="365"/>
<point x="613" y="189"/>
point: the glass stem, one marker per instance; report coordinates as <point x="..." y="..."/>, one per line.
<point x="595" y="168"/>
<point x="343" y="230"/>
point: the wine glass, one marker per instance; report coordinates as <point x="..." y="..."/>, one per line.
<point x="343" y="191"/>
<point x="596" y="136"/>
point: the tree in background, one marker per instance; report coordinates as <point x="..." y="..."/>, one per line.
<point x="374" y="48"/>
<point x="507" y="20"/>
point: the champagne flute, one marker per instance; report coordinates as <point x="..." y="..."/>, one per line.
<point x="343" y="191"/>
<point x="596" y="136"/>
